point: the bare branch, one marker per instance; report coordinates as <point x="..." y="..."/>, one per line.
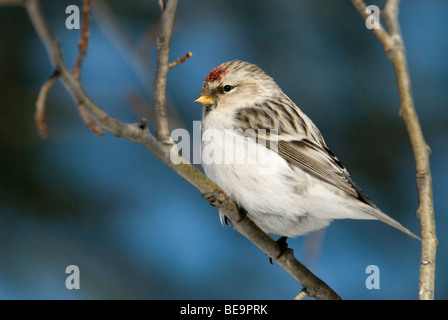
<point x="163" y="51"/>
<point x="393" y="44"/>
<point x="73" y="85"/>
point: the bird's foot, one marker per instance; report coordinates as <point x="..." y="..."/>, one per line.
<point x="216" y="198"/>
<point x="243" y="214"/>
<point x="283" y="245"/>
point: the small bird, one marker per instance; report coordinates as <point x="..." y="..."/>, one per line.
<point x="271" y="159"/>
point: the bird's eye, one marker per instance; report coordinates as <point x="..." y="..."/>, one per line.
<point x="227" y="88"/>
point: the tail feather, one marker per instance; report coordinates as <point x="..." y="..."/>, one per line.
<point x="377" y="213"/>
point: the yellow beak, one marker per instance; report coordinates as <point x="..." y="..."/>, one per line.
<point x="205" y="100"/>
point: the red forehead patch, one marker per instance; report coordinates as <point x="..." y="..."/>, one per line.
<point x="216" y="74"/>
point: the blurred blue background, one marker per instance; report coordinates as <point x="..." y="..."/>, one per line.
<point x="138" y="231"/>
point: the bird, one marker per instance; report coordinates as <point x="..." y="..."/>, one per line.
<point x="271" y="159"/>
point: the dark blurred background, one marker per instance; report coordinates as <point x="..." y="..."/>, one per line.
<point x="133" y="227"/>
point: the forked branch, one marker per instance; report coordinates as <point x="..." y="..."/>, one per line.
<point x="392" y="41"/>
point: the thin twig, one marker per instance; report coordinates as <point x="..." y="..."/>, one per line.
<point x="393" y="44"/>
<point x="168" y="153"/>
<point x="83" y="44"/>
<point x="390" y="17"/>
<point x="163" y="51"/>
<point x="39" y="116"/>
<point x="180" y="60"/>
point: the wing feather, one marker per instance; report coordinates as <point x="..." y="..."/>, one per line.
<point x="307" y="149"/>
<point x="319" y="162"/>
